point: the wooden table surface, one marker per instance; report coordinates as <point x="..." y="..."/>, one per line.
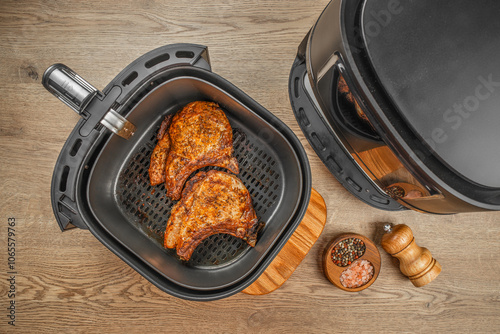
<point x="69" y="282"/>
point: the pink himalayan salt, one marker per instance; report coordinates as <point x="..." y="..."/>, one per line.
<point x="357" y="274"/>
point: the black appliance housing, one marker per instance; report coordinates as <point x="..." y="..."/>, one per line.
<point x="101" y="182"/>
<point x="422" y="131"/>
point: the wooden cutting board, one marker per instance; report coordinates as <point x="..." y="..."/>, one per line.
<point x="294" y="250"/>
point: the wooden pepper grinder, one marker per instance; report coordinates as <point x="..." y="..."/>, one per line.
<point x="414" y="261"/>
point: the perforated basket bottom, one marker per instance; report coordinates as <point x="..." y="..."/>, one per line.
<point x="149" y="208"/>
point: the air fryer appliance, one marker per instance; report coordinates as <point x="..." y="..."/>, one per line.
<point x="401" y="101"/>
<point x="101" y="182"/>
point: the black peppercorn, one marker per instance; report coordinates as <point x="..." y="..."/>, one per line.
<point x="347" y="251"/>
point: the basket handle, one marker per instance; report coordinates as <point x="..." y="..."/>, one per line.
<point x="77" y="94"/>
<point x="97" y="107"/>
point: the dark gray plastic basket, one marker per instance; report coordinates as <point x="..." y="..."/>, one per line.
<point x="102" y="182"/>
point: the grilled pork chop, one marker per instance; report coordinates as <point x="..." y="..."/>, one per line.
<point x="200" y="135"/>
<point x="160" y="152"/>
<point x="212" y="202"/>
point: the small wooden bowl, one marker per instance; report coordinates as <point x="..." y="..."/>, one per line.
<point x="333" y="272"/>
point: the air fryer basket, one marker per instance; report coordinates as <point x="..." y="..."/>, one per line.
<point x="123" y="201"/>
<point x="101" y="180"/>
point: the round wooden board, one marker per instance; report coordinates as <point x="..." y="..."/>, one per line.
<point x="333" y="272"/>
<point x="294" y="251"/>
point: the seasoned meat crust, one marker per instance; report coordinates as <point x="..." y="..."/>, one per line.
<point x="160" y="152"/>
<point x="200" y="136"/>
<point x="212" y="202"/>
<point x="197" y="136"/>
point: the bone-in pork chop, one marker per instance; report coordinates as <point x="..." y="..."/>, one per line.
<point x="212" y="202"/>
<point x="200" y="136"/>
<point x="160" y="153"/>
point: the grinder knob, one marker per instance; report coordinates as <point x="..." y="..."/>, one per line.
<point x="415" y="262"/>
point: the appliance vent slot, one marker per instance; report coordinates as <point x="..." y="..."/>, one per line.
<point x="184" y="54"/>
<point x="129" y="79"/>
<point x="76" y="147"/>
<point x="317" y="142"/>
<point x="353" y="184"/>
<point x="303" y="117"/>
<point x="157" y="60"/>
<point x="333" y="164"/>
<point x="379" y="199"/>
<point x="296" y="87"/>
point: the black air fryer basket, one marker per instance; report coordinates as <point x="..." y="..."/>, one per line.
<point x="101" y="180"/>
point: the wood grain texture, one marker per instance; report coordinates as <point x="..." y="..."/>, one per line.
<point x="295" y="250"/>
<point x="70" y="283"/>
<point x="414" y="261"/>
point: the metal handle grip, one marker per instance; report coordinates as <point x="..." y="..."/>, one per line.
<point x="68" y="87"/>
<point x="77" y="93"/>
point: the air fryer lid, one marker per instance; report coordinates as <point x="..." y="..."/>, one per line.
<point x="355" y="40"/>
<point x="438" y="62"/>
